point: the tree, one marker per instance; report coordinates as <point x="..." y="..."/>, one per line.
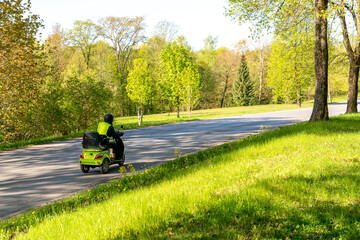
<point x="175" y="57"/>
<point x="105" y="68"/>
<point x="166" y="30"/>
<point x="338" y="70"/>
<point x="191" y="86"/>
<point x="342" y="8"/>
<point x="291" y="66"/>
<point x="279" y="17"/>
<point x="124" y="34"/>
<point x="20" y="69"/>
<point x="227" y="63"/>
<point x="242" y="91"/>
<point x="276" y="16"/>
<point x="206" y="62"/>
<point x="57" y="52"/>
<point x="151" y="52"/>
<point x="320" y="109"/>
<point x="258" y="62"/>
<point x="83" y="36"/>
<point x="76" y="102"/>
<point x="139" y="85"/>
<point x="262" y="50"/>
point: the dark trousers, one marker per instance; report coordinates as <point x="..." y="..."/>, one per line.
<point x="119" y="148"/>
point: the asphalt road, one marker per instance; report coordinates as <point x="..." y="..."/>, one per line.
<point x="35" y="175"/>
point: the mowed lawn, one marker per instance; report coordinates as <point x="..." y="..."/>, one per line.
<point x="298" y="182"/>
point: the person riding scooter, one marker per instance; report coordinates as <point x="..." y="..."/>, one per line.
<point x="106" y="128"/>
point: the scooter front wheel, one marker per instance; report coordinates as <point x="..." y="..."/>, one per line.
<point x="84" y="168"/>
<point x="104" y="168"/>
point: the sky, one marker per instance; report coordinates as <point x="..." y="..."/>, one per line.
<point x="197" y="19"/>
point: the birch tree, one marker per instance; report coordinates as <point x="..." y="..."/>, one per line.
<point x="191" y="85"/>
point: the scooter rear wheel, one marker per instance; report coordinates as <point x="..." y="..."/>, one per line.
<point x="84" y="168"/>
<point x="104" y="168"/>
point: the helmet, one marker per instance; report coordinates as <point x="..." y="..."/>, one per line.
<point x="108" y="118"/>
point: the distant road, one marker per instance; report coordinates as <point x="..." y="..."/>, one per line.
<point x="35" y="175"/>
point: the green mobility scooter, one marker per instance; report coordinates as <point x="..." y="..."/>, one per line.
<point x="100" y="151"/>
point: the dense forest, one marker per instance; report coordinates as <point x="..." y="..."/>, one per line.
<point x="67" y="82"/>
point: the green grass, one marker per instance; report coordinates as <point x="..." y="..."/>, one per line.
<point x="160" y="119"/>
<point x="299" y="181"/>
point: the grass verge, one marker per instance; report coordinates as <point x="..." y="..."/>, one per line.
<point x="297" y="181"/>
<point x="160" y="119"/>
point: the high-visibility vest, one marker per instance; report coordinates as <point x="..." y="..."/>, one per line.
<point x="103" y="128"/>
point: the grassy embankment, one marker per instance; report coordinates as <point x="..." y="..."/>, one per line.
<point x="299" y="181"/>
<point x="160" y="119"/>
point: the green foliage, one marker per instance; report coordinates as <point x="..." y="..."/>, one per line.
<point x="139" y="84"/>
<point x="83" y="35"/>
<point x="258" y="60"/>
<point x="20" y="70"/>
<point x="179" y="80"/>
<point x="191" y="86"/>
<point x="338" y="70"/>
<point x="227" y="62"/>
<point x="243" y="90"/>
<point x="291" y="73"/>
<point x="150" y="52"/>
<point x="206" y="62"/>
<point x="73" y="104"/>
<point x="123" y="34"/>
<point x="275" y="16"/>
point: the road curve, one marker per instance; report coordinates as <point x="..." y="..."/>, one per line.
<point x="35" y="175"/>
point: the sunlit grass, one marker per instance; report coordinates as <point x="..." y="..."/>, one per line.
<point x="166" y="118"/>
<point x="298" y="181"/>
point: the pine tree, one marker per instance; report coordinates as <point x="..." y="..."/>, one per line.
<point x="243" y="93"/>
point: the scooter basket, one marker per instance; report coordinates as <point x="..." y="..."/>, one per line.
<point x="91" y="140"/>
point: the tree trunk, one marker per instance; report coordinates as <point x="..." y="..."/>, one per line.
<point x="353" y="85"/>
<point x="224" y="93"/>
<point x="261" y="75"/>
<point x="138" y="113"/>
<point x="353" y="53"/>
<point x="320" y="109"/>
<point x="178" y="111"/>
<point x="298" y="99"/>
<point x="189" y="107"/>
<point x="142" y="114"/>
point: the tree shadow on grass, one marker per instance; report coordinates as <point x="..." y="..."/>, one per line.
<point x="275" y="213"/>
<point x="262" y="216"/>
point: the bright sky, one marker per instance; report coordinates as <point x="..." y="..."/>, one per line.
<point x="197" y="19"/>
